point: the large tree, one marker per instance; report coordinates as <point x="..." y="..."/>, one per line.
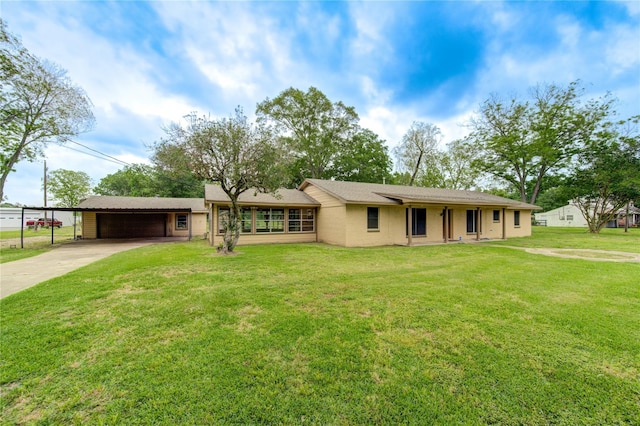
<point x="313" y="128"/>
<point x="418" y="150"/>
<point x="524" y="142"/>
<point x="40" y="104"/>
<point x="68" y="187"/>
<point x="607" y="174"/>
<point x="135" y="180"/>
<point x="232" y="152"/>
<point x="457" y="168"/>
<point x="362" y="158"/>
<point x="145" y="180"/>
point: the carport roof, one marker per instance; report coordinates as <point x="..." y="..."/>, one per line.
<point x="141" y="204"/>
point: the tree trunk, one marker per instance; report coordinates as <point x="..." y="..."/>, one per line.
<point x="415" y="171"/>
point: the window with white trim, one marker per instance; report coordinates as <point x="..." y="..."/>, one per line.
<point x="182" y="221"/>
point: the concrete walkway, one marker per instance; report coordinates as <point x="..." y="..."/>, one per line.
<point x="24" y="273"/>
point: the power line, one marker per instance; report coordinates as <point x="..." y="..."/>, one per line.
<point x="101" y="153"/>
<point x="116" y="161"/>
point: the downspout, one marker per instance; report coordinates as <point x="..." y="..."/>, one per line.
<point x="22" y="230"/>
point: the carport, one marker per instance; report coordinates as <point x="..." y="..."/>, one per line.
<point x="107" y="217"/>
<point x="110" y="217"/>
<point x="47" y="209"/>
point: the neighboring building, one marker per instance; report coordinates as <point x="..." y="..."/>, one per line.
<point x="621" y="217"/>
<point x="354" y="214"/>
<point x="142" y="217"/>
<point x="571" y="216"/>
<point x="11" y="217"/>
<point x="567" y="216"/>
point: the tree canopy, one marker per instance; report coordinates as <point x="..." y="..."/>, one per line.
<point x="417" y="151"/>
<point x="524" y="141"/>
<point x="314" y="130"/>
<point x="364" y="157"/>
<point x="606" y="176"/>
<point x="39" y="104"/>
<point x="68" y="187"/>
<point x="144" y="180"/>
<point x="232" y="152"/>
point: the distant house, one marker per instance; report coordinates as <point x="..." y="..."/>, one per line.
<point x="571" y="216"/>
<point x="142" y="217"/>
<point x="354" y="214"/>
<point x="566" y="216"/>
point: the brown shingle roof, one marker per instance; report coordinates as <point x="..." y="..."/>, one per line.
<point x="103" y="202"/>
<point x="373" y="193"/>
<point x="283" y="197"/>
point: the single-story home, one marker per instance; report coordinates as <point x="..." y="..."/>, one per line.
<point x="571" y="216"/>
<point x="567" y="216"/>
<point x="142" y="217"/>
<point x="354" y="214"/>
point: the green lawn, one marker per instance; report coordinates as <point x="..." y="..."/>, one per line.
<point x="580" y="238"/>
<point x="35" y="242"/>
<point x="293" y="334"/>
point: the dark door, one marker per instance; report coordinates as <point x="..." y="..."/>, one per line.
<point x="419" y="222"/>
<point x="131" y="225"/>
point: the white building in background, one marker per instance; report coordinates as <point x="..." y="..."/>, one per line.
<point x="569" y="216"/>
<point x="11" y="217"/>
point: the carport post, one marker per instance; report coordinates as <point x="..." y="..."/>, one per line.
<point x="52" y="227"/>
<point x="22" y="230"/>
<point x="190" y="213"/>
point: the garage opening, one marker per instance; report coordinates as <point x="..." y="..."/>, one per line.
<point x="125" y="225"/>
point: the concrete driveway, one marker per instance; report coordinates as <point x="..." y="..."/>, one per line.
<point x="24" y="273"/>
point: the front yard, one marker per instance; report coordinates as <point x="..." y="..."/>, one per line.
<point x="293" y="334"/>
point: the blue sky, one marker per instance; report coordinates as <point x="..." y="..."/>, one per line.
<point x="146" y="64"/>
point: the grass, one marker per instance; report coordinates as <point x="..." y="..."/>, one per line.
<point x="291" y="334"/>
<point x="35" y="242"/>
<point x="579" y="238"/>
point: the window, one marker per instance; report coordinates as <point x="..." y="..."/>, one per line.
<point x="269" y="220"/>
<point x="245" y="219"/>
<point x="223" y="216"/>
<point x="418" y="222"/>
<point x="181" y="221"/>
<point x="496" y="215"/>
<point x="516" y="218"/>
<point x="301" y="220"/>
<point x="372" y="218"/>
<point x="569" y="217"/>
<point x="472" y="223"/>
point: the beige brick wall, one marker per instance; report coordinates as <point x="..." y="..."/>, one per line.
<point x="89" y="225"/>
